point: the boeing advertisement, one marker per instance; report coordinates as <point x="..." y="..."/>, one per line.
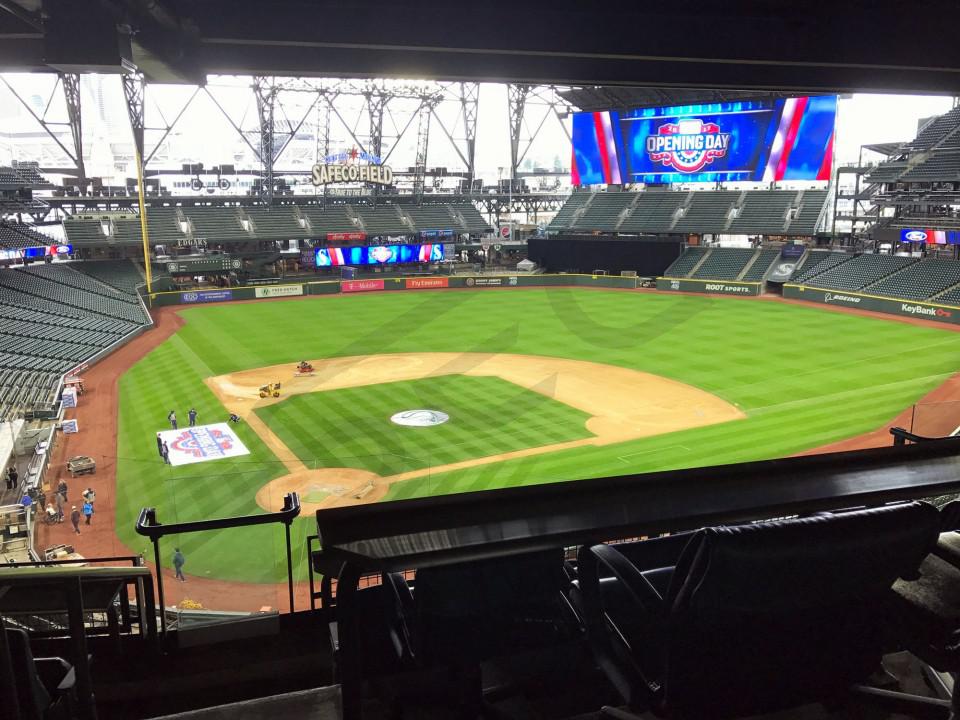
<point x="378" y="255"/>
<point x="750" y="140"/>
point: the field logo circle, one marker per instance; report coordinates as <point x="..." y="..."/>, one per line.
<point x="420" y="418"/>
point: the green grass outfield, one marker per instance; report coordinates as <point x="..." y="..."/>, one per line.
<point x="804" y="377"/>
<point x="352" y="428"/>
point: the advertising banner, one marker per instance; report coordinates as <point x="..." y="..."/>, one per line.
<point x="875" y="303"/>
<point x="360" y="285"/>
<point x="929" y="236"/>
<point x="346" y="236"/>
<point x="273" y="291"/>
<point x="709" y="286"/>
<point x="202" y="444"/>
<point x="748" y="140"/>
<point x="201" y="296"/>
<point x="490" y="281"/>
<point x="427" y="282"/>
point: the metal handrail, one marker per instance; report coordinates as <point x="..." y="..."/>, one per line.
<point x="148" y="526"/>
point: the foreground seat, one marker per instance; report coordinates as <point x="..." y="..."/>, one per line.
<point x="752" y="618"/>
<point x="45" y="686"/>
<point x="455" y="617"/>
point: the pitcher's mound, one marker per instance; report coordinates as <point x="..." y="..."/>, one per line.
<point x="325" y="487"/>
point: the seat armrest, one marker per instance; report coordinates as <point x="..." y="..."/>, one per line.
<point x="623" y="671"/>
<point x="640" y="590"/>
<point x="55" y="673"/>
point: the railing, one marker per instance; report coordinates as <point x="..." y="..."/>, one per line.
<point x="150" y="527"/>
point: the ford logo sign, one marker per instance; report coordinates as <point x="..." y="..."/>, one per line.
<point x="916" y="236"/>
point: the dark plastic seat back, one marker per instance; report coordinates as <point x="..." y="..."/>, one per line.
<point x="31" y="694"/>
<point x="772" y="614"/>
<point x="470" y="611"/>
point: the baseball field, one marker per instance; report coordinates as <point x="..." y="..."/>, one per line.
<point x="538" y="385"/>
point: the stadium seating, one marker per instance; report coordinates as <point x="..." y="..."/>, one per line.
<point x="120" y="274"/>
<point x="567" y="213"/>
<point x="761" y="265"/>
<point x="724" y="264"/>
<point x="85" y="230"/>
<point x="277" y="223"/>
<point x="68" y="287"/>
<point x="53" y="317"/>
<point x="762" y="210"/>
<point x="860" y="271"/>
<point x="163" y="226"/>
<point x="818" y="261"/>
<point x="682" y="266"/>
<point x="215" y="224"/>
<point x="919" y="281"/>
<point x="950" y="297"/>
<point x="383" y="220"/>
<point x="18" y="235"/>
<point x="657" y="211"/>
<point x="433" y="217"/>
<point x="605" y="211"/>
<point x="654" y="212"/>
<point x="812" y="204"/>
<point x="332" y="218"/>
<point x="934" y="131"/>
<point x="472" y="220"/>
<point x="707" y="212"/>
<point x="943" y="166"/>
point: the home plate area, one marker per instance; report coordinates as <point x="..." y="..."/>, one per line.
<point x="202" y="443"/>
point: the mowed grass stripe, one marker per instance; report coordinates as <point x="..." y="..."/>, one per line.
<point x="488" y="416"/>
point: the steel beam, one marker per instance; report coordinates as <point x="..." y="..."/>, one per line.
<point x="134" y="93"/>
<point x="517" y="101"/>
<point x="71" y="94"/>
<point x="266" y="95"/>
<point x="423" y="140"/>
<point x="469" y="103"/>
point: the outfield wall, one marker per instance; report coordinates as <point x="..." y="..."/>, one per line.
<point x="713" y="287"/>
<point x="431" y="282"/>
<point x="874" y="303"/>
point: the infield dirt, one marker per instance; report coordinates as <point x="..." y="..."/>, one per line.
<point x="624" y="404"/>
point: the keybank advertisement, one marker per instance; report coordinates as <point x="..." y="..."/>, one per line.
<point x="756" y="140"/>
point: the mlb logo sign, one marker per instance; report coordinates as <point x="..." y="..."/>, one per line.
<point x="202" y="444"/>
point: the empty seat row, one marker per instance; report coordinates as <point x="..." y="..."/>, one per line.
<point x="761" y="265"/>
<point x="818" y="261"/>
<point x="724" y="264"/>
<point x="65" y="295"/>
<point x="120" y="274"/>
<point x="919" y="281"/>
<point x="860" y="272"/>
<point x="682" y="266"/>
<point x="713" y="212"/>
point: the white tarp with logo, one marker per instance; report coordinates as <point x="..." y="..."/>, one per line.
<point x="202" y="444"/>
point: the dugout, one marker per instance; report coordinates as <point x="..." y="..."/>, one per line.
<point x="648" y="257"/>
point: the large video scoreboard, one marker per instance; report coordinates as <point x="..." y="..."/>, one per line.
<point x="755" y="140"/>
